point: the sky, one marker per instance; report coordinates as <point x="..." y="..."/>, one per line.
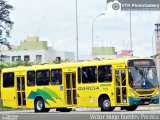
<point x="55" y="21"/>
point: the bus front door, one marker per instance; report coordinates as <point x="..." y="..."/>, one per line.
<point x="70" y="79"/>
<point x="120" y="87"/>
<point x="21" y="97"/>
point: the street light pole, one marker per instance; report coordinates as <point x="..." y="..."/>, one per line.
<point x="130" y="16"/>
<point x="152" y="43"/>
<point x="77" y="32"/>
<point x="93" y="31"/>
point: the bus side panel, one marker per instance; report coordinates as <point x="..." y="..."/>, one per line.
<point x="88" y="94"/>
<point x="58" y="97"/>
<point x="53" y="96"/>
<point x="9" y="97"/>
<point x="29" y="101"/>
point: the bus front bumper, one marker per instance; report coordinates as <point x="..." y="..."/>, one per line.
<point x="143" y="101"/>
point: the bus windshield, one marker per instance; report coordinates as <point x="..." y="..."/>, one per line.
<point x="143" y="77"/>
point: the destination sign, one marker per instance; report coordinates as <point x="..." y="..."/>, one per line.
<point x="134" y="63"/>
<point x="141" y="63"/>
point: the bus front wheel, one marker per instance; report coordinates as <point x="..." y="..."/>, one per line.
<point x="131" y="108"/>
<point x="39" y="105"/>
<point x="105" y="104"/>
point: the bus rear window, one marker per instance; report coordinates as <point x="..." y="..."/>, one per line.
<point x="8" y="79"/>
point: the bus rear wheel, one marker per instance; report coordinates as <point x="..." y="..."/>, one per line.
<point x="131" y="108"/>
<point x="39" y="105"/>
<point x="105" y="104"/>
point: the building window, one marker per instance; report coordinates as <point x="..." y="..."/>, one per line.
<point x="89" y="74"/>
<point x="8" y="79"/>
<point x="31" y="78"/>
<point x="6" y="59"/>
<point x="16" y="58"/>
<point x="56" y="77"/>
<point x="26" y="58"/>
<point x="105" y="73"/>
<point x="39" y="58"/>
<point x="43" y="77"/>
<point x="58" y="59"/>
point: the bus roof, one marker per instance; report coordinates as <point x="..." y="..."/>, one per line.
<point x="110" y="61"/>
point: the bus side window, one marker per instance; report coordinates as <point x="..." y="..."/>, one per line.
<point x="31" y="78"/>
<point x="8" y="79"/>
<point x="105" y="73"/>
<point x="89" y="75"/>
<point x="56" y="77"/>
<point x="43" y="77"/>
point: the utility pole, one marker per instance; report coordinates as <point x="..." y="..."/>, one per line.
<point x="93" y="32"/>
<point x="76" y="32"/>
<point x="131" y="33"/>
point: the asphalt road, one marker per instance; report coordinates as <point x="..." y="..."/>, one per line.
<point x="147" y="113"/>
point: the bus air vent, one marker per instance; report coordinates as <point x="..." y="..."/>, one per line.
<point x="145" y="92"/>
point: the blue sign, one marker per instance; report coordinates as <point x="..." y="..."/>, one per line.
<point x="61" y="88"/>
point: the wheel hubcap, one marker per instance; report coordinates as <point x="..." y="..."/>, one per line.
<point x="39" y="105"/>
<point x="106" y="103"/>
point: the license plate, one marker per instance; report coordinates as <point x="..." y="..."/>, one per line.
<point x="146" y="102"/>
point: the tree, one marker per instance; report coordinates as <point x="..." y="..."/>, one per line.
<point x="5" y="22"/>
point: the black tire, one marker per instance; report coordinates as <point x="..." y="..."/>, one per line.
<point x="64" y="109"/>
<point x="105" y="104"/>
<point x="39" y="105"/>
<point x="131" y="108"/>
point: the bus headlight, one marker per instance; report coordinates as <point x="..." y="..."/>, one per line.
<point x="157" y="93"/>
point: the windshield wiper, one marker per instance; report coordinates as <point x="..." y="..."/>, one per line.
<point x="139" y="71"/>
<point x="143" y="79"/>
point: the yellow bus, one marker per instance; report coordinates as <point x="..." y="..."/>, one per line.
<point x="107" y="83"/>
